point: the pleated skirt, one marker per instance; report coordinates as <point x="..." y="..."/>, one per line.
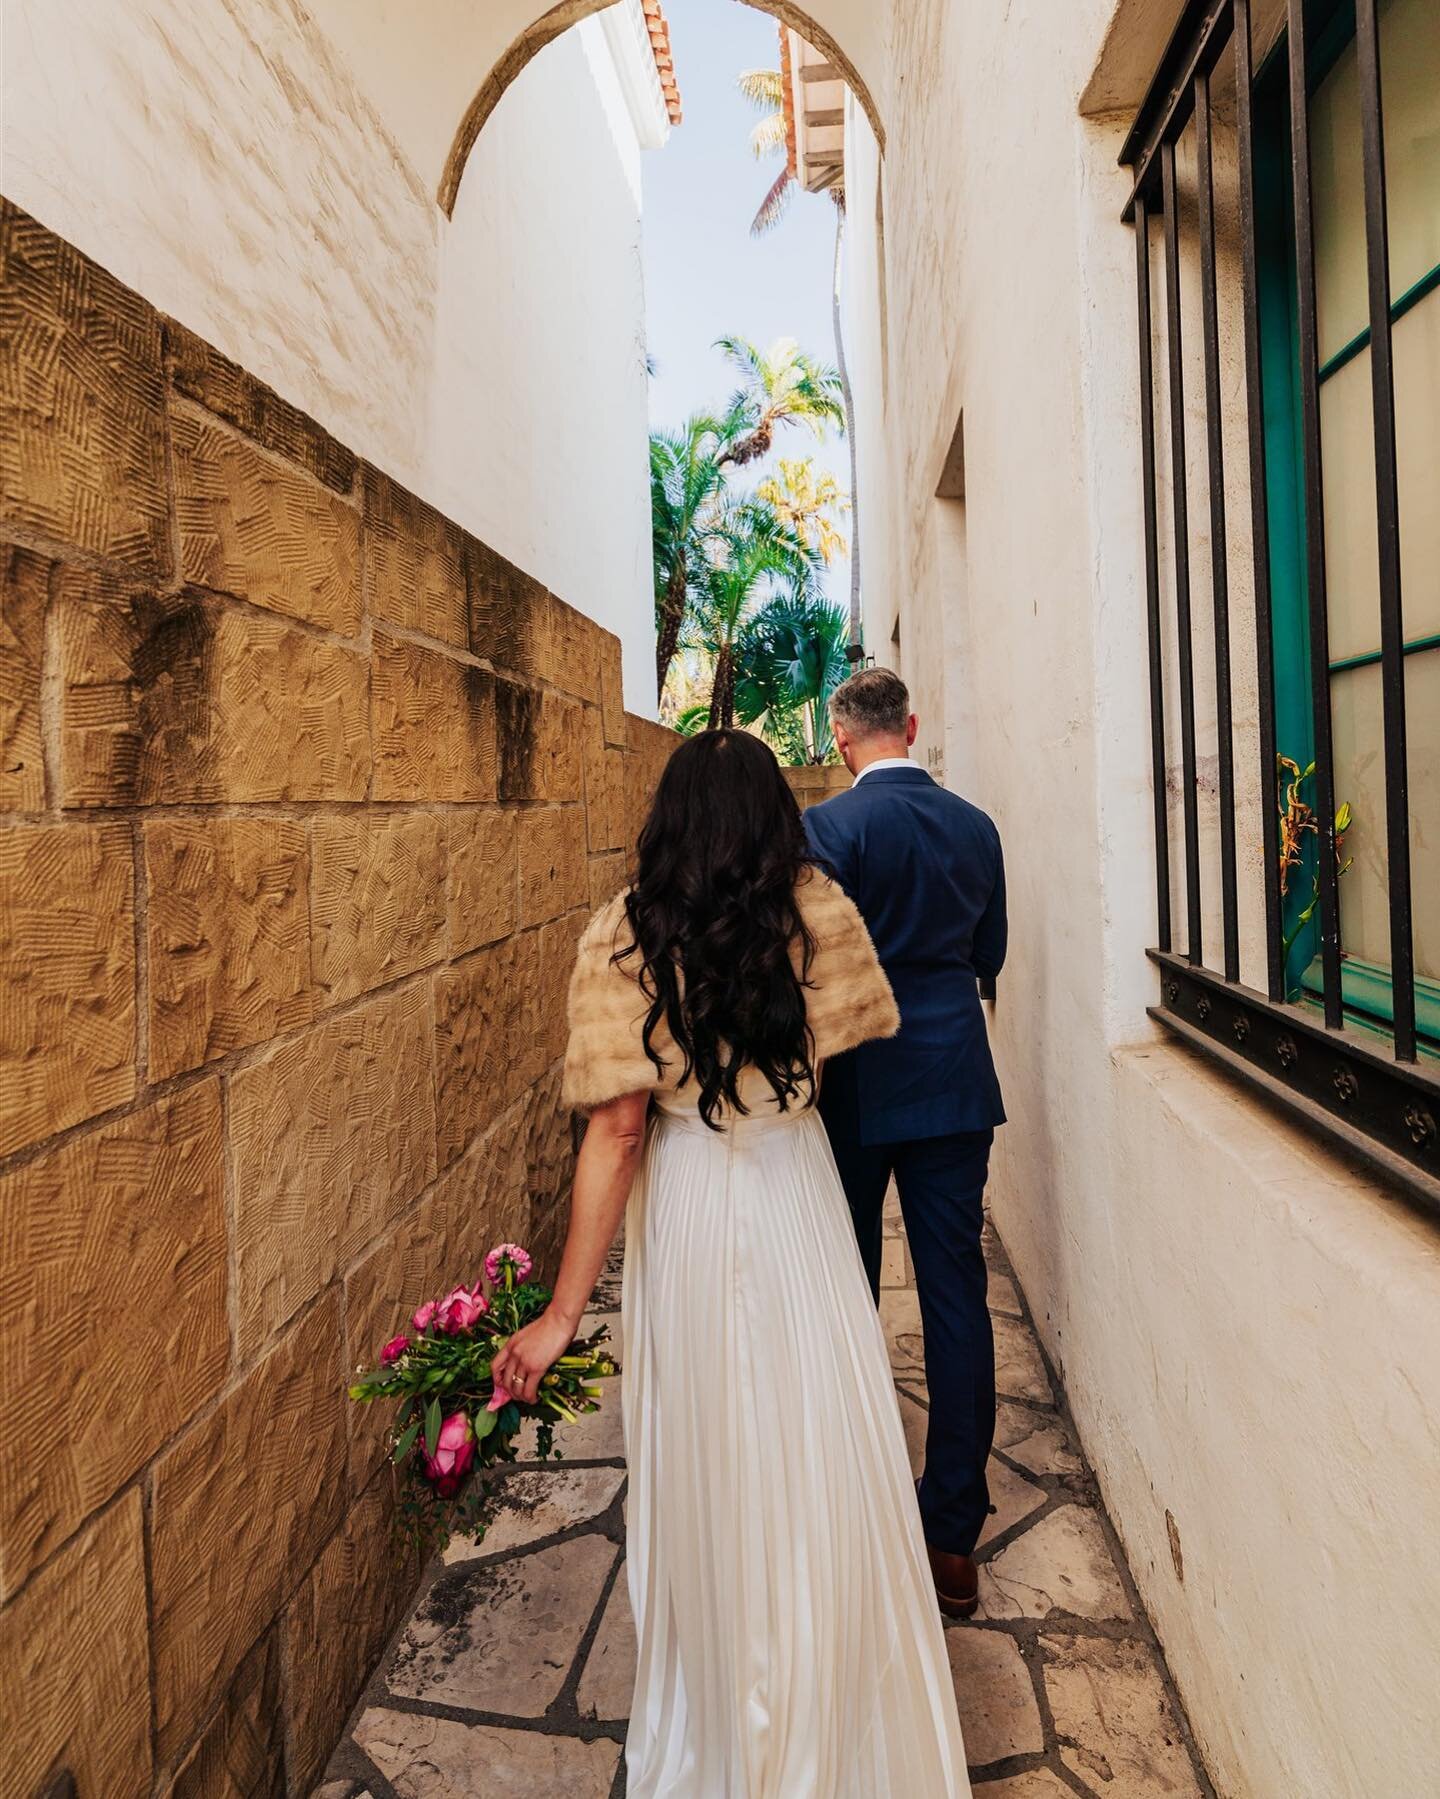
<point x="789" y="1641"/>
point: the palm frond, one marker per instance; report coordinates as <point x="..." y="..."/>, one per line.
<point x="763" y="88"/>
<point x="775" y="204"/>
<point x="768" y="136"/>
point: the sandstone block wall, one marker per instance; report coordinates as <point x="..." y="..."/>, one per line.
<point x="813" y="785"/>
<point x="304" y="797"/>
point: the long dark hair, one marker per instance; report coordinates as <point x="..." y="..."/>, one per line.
<point x="715" y="915"/>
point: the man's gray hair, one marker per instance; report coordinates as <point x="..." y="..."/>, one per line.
<point x="873" y="703"/>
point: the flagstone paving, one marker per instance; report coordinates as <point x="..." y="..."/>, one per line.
<point x="513" y="1674"/>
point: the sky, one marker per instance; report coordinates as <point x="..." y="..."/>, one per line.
<point x="705" y="276"/>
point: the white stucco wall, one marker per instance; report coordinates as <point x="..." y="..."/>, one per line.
<point x="1248" y="1329"/>
<point x="231" y="163"/>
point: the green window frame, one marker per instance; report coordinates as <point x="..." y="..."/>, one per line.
<point x="1366" y="987"/>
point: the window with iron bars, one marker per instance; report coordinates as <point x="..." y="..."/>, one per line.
<point x="1286" y="209"/>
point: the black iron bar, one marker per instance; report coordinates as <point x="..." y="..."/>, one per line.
<point x="1328" y="862"/>
<point x="1259" y="507"/>
<point x="1219" y="555"/>
<point x="1387" y="515"/>
<point x="1181" y="528"/>
<point x="1195" y="46"/>
<point x="1152" y="580"/>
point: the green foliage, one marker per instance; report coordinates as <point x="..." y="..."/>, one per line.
<point x="791" y="658"/>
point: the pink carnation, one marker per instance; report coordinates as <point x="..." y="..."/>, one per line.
<point x="393" y="1351"/>
<point x="423" y="1316"/>
<point x="454" y="1452"/>
<point x="518" y="1258"/>
<point x="461" y="1310"/>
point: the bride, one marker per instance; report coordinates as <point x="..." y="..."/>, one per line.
<point x="789" y="1644"/>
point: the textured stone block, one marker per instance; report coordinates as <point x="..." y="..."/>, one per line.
<point x="336" y="1626"/>
<point x="223" y="387"/>
<point x="555" y="964"/>
<point x="540" y="744"/>
<point x="24" y="595"/>
<point x="604" y="786"/>
<point x="377" y="904"/>
<point x="650" y="747"/>
<point x="67" y="972"/>
<point x="612" y="688"/>
<point x="553" y="875"/>
<point x="576" y="652"/>
<point x="478" y="1008"/>
<point x="414" y="562"/>
<point x="241" y="1752"/>
<point x="434" y="725"/>
<point x="1062" y="1564"/>
<point x="241" y="1502"/>
<point x="332" y="1137"/>
<point x="509" y="613"/>
<point x="82" y="448"/>
<point x="190" y="700"/>
<point x="259" y="528"/>
<point x="228" y="930"/>
<point x="114" y="1248"/>
<point x="607" y="876"/>
<point x="76" y="1658"/>
<point x="483" y="878"/>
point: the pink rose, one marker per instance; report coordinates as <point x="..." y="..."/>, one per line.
<point x="454" y="1452"/>
<point x="518" y="1258"/>
<point x="500" y="1397"/>
<point x="393" y="1351"/>
<point x="461" y="1310"/>
<point x="422" y="1318"/>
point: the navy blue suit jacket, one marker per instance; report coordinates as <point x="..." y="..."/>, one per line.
<point x="924" y="868"/>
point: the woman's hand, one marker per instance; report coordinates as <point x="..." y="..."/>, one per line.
<point x="532" y="1352"/>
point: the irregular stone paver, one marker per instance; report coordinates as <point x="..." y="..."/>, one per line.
<point x="1040" y="1783"/>
<point x="1036" y="1440"/>
<point x="1019" y="1370"/>
<point x="540" y="1502"/>
<point x="539" y="1702"/>
<point x="1061" y="1564"/>
<point x="998" y="1709"/>
<point x="1001" y="1295"/>
<point x="1013" y="1498"/>
<point x="1117" y="1730"/>
<point x="438" y="1758"/>
<point x="500" y="1636"/>
<point x="609" y="1677"/>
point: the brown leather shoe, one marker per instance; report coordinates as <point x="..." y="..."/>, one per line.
<point x="957" y="1582"/>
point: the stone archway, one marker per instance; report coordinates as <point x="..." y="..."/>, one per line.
<point x="566" y="13"/>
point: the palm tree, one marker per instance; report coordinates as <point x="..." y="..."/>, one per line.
<point x="791" y="655"/>
<point x="751" y="556"/>
<point x="765" y="90"/>
<point x="778" y="386"/>
<point x="687" y="481"/>
<point x="808" y="501"/>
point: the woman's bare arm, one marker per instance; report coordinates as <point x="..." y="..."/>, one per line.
<point x="604" y="1174"/>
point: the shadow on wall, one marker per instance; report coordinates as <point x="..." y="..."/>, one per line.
<point x="308" y="796"/>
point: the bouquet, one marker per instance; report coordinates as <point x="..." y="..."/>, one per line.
<point x="454" y="1421"/>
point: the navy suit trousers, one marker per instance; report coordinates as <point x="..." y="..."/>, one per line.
<point x="942" y="1185"/>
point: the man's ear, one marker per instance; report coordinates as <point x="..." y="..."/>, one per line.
<point x="912" y="725"/>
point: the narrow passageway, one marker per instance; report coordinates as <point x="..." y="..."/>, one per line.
<point x="514" y="1672"/>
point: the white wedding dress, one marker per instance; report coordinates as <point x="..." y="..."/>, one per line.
<point x="789" y="1642"/>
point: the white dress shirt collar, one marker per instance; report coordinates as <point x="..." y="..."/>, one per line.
<point x="882" y="762"/>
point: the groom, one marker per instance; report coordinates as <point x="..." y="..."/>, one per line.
<point x="924" y="868"/>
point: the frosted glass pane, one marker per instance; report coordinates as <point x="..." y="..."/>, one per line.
<point x="1347" y="445"/>
<point x="1360" y="779"/>
<point x="1347" y="461"/>
<point x="1416" y="341"/>
<point x="1410" y="74"/>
